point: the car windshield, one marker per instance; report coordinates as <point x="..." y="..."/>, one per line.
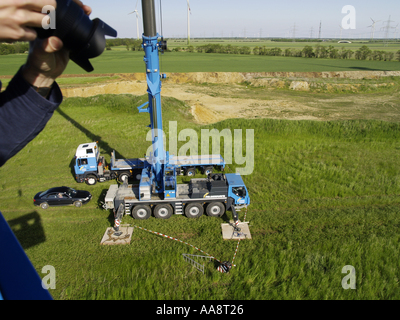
<point x="72" y="192"/>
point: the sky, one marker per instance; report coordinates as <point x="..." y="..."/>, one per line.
<point x="257" y="18"/>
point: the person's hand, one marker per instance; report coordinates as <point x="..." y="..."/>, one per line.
<point x="47" y="59"/>
<point x="18" y="17"/>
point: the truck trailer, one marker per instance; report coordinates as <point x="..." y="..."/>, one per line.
<point x="91" y="167"/>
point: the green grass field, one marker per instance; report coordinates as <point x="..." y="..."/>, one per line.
<point x="323" y="195"/>
<point x="132" y="62"/>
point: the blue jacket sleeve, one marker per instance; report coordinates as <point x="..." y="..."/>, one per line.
<point x="18" y="277"/>
<point x="23" y="115"/>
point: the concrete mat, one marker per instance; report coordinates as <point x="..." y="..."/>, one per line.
<point x="228" y="232"/>
<point x="110" y="239"/>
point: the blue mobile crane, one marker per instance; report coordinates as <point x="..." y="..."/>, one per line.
<point x="158" y="191"/>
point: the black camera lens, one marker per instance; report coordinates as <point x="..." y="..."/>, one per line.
<point x="84" y="38"/>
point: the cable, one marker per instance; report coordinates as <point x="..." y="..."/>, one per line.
<point x="162" y="35"/>
<point x="224" y="267"/>
<point x="161" y="22"/>
<point x="237" y="247"/>
<point x="165" y="236"/>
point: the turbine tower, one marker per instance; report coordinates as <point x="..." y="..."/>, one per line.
<point x="137" y="19"/>
<point x="373" y="28"/>
<point x="189" y="12"/>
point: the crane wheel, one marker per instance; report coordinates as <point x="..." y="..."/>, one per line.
<point x="163" y="211"/>
<point x="194" y="210"/>
<point x="215" y="209"/>
<point x="141" y="212"/>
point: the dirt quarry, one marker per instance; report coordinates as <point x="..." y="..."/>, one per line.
<point x="285" y="95"/>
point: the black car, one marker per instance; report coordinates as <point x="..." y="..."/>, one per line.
<point x="62" y="196"/>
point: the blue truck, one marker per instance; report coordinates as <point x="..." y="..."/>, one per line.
<point x="91" y="167"/>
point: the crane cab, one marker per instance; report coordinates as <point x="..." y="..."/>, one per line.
<point x="170" y="183"/>
<point x="237" y="190"/>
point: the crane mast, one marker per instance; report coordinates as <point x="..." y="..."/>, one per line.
<point x="151" y="48"/>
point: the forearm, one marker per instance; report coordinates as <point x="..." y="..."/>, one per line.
<point x="23" y="114"/>
<point x="36" y="78"/>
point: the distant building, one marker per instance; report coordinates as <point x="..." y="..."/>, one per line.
<point x="344" y="41"/>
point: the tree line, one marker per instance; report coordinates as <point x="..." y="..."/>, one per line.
<point x="130" y="44"/>
<point x="18" y="47"/>
<point x="318" y="51"/>
<point x="23" y="47"/>
<point x="362" y="53"/>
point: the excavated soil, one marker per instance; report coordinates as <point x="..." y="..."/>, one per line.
<point x="287" y="95"/>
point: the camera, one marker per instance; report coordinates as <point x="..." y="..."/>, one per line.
<point x="84" y="38"/>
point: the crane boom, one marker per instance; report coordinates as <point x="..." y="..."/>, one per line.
<point x="151" y="48"/>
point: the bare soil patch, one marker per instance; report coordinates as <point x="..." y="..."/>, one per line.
<point x="214" y="97"/>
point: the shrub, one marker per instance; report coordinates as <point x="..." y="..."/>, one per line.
<point x="308" y="52"/>
<point x="363" y="53"/>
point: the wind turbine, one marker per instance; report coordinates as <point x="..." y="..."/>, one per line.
<point x="373" y="27"/>
<point x="341" y="30"/>
<point x="189" y="12"/>
<point x="137" y="19"/>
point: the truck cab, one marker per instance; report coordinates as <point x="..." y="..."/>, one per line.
<point x="86" y="159"/>
<point x="90" y="166"/>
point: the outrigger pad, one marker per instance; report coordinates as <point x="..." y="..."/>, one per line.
<point x="109" y="237"/>
<point x="229" y="233"/>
